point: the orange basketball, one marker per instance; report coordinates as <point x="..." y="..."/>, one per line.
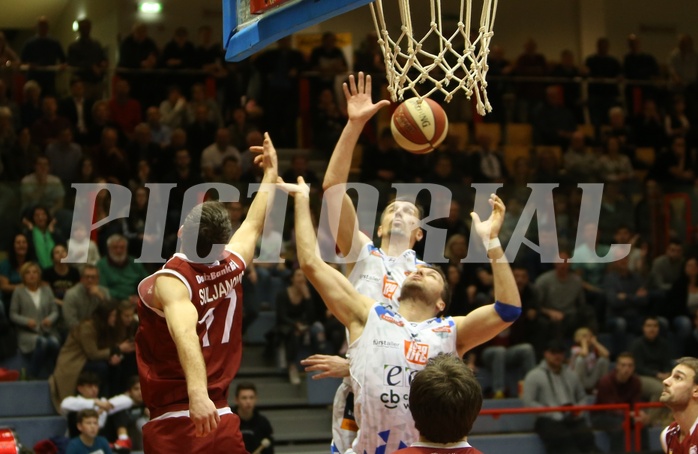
<point x="419" y="127"/>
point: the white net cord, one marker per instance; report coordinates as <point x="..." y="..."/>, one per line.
<point x="409" y="62"/>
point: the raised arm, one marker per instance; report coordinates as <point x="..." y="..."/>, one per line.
<point x="486" y="322"/>
<point x="182" y="319"/>
<point x="349" y="306"/>
<point x="245" y="239"/>
<point x="360" y="109"/>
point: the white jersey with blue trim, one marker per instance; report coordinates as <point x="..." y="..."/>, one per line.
<point x="383" y="361"/>
<point x="380" y="276"/>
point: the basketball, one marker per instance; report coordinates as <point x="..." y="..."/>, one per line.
<point x="419" y="127"/>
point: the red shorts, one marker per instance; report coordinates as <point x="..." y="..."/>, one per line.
<point x="172" y="435"/>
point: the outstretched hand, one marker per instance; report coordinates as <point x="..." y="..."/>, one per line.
<point x="266" y="157"/>
<point x="299" y="189"/>
<point x="490" y="228"/>
<point x="360" y="107"/>
<point x="327" y="365"/>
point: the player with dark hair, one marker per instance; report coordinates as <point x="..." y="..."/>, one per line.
<point x="378" y="271"/>
<point x="681" y="396"/>
<point x="189" y="342"/>
<point x="386" y="346"/>
<point x="445" y="399"/>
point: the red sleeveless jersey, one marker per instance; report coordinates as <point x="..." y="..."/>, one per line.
<point x="216" y="292"/>
<point x="689" y="445"/>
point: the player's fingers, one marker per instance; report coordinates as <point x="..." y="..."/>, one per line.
<point x="198" y="428"/>
<point x="345" y="87"/>
<point x="205" y="427"/>
<point x="362" y="83"/>
<point x="215" y="419"/>
<point x="382" y="103"/>
<point x="321" y="375"/>
<point x="267" y="140"/>
<point x="314" y="358"/>
<point x="367" y="85"/>
<point x="352" y="84"/>
<point x="315" y="367"/>
<point x="475" y="217"/>
<point x="256" y="149"/>
<point x="301" y="181"/>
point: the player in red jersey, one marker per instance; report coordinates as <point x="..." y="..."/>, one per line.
<point x="189" y="342"/>
<point x="442" y="421"/>
<point x="681" y="396"/>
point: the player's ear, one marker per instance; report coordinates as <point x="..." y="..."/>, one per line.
<point x="380" y="231"/>
<point x="179" y="232"/>
<point x="440" y="305"/>
<point x="419" y="234"/>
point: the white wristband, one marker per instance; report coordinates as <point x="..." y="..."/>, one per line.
<point x="494" y="243"/>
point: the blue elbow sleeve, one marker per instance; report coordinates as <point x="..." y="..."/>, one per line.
<point x="507" y="312"/>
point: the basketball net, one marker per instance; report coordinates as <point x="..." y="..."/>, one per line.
<point x="448" y="67"/>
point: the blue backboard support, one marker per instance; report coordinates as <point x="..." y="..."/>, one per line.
<point x="244" y="39"/>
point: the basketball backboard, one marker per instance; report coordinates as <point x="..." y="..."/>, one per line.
<point x="251" y="25"/>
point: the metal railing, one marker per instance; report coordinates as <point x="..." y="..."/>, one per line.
<point x="573" y="409"/>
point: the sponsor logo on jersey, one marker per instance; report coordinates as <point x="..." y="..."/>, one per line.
<point x="442" y="329"/>
<point x="389" y="318"/>
<point x="416" y="352"/>
<point x="229" y="268"/>
<point x="396" y="377"/>
<point x="369" y="278"/>
<point x="385" y="344"/>
<point x="389" y="287"/>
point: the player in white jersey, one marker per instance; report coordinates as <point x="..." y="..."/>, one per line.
<point x="377" y="273"/>
<point x="412" y="334"/>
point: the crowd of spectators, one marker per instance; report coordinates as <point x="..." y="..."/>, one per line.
<point x="170" y="127"/>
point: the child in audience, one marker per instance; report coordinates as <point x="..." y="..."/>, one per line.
<point x="86" y="399"/>
<point x="88" y="441"/>
<point x="589" y="358"/>
<point x="126" y="425"/>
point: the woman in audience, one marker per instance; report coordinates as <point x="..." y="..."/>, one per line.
<point x="126" y="327"/>
<point x="589" y="358"/>
<point x="60" y="276"/>
<point x="295" y="311"/>
<point x="34" y="311"/>
<point x="43" y="235"/>
<point x="20" y="253"/>
<point x="95" y="344"/>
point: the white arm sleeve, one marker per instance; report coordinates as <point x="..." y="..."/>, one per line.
<point x="120" y="402"/>
<point x="76" y="403"/>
